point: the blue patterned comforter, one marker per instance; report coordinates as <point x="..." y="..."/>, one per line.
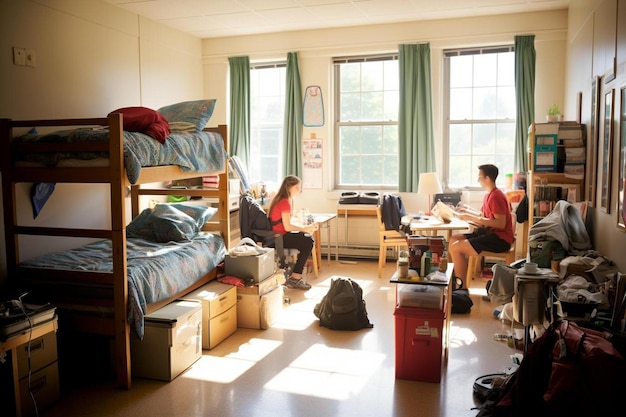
<point x="156" y="271"/>
<point x="193" y="152"/>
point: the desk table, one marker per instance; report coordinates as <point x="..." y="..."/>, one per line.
<point x="355" y="210"/>
<point x="323" y="219"/>
<point x="432" y="225"/>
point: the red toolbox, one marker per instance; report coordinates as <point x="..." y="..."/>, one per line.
<point x="419" y="343"/>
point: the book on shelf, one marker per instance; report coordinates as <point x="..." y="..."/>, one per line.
<point x="546" y="129"/>
<point x="574" y="170"/>
<point x="571" y="134"/>
<point x="575" y="155"/>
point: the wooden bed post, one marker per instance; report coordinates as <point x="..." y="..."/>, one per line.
<point x="8" y="200"/>
<point x="118" y="242"/>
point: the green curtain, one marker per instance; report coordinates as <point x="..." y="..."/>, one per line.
<point x="525" y="96"/>
<point x="240" y="108"/>
<point x="415" y="119"/>
<point x="292" y="163"/>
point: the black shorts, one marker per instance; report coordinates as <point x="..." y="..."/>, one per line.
<point x="484" y="240"/>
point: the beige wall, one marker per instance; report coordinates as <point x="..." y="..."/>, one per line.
<point x="594" y="29"/>
<point x="317" y="48"/>
<point x="92" y="58"/>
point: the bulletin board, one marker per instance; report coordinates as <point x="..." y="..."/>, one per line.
<point x="312" y="163"/>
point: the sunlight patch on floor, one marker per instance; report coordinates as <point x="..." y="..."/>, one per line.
<point x="296" y="316"/>
<point x="461" y="336"/>
<point x="326" y="372"/>
<point x="230" y="367"/>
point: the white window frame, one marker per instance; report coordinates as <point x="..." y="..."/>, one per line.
<point x="447" y="123"/>
<point x="337" y="62"/>
<point x="255" y="130"/>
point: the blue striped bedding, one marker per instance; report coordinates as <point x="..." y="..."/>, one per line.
<point x="193" y="152"/>
<point x="156" y="271"/>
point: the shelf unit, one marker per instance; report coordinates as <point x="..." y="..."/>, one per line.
<point x="544" y="178"/>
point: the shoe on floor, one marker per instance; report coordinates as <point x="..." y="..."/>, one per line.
<point x="297" y="284"/>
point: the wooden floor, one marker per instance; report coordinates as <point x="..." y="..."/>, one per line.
<point x="300" y="369"/>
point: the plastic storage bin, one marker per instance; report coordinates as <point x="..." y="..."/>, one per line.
<point x="419" y="343"/>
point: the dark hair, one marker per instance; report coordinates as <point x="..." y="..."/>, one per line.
<point x="283" y="191"/>
<point x="489" y="170"/>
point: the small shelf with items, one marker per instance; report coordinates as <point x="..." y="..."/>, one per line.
<point x="556" y="166"/>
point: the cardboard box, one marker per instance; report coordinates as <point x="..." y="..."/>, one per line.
<point x="256" y="267"/>
<point x="259" y="311"/>
<point x="172" y="341"/>
<point x="267" y="285"/>
<point x="419" y="344"/>
<point x="219" y="312"/>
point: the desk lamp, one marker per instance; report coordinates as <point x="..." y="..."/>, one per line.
<point x="429" y="184"/>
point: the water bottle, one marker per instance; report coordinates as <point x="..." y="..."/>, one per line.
<point x="425" y="267"/>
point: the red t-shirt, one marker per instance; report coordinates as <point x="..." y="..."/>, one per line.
<point x="277" y="214"/>
<point x="495" y="202"/>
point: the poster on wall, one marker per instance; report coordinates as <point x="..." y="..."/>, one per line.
<point x="313" y="107"/>
<point x="312" y="163"/>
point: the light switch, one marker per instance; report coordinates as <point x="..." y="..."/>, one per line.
<point x="19" y="56"/>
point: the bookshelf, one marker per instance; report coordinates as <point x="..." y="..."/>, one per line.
<point x="556" y="166"/>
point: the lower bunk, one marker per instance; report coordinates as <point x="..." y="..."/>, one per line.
<point x="80" y="283"/>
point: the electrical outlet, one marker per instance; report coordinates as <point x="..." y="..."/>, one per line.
<point x="31" y="58"/>
<point x="19" y="56"/>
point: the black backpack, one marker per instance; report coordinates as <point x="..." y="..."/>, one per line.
<point x="343" y="307"/>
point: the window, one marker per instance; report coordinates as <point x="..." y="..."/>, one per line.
<point x="366" y="127"/>
<point x="267" y="114"/>
<point x="480" y="109"/>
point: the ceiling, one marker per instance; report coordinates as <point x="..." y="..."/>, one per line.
<point x="220" y="18"/>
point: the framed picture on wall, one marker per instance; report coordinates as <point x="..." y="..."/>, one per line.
<point x="592" y="178"/>
<point x="607" y="145"/>
<point x="621" y="186"/>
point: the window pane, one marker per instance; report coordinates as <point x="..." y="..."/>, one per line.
<point x="484" y="104"/>
<point x="350" y="78"/>
<point x="460" y="139"/>
<point x="461" y="69"/>
<point x="460" y="103"/>
<point x="485" y="70"/>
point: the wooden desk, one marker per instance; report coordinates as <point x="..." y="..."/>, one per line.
<point x="354" y="210"/>
<point x="12" y="343"/>
<point x="432" y="225"/>
<point x="323" y="219"/>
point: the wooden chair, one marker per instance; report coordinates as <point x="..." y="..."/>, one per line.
<point x="508" y="257"/>
<point x="387" y="238"/>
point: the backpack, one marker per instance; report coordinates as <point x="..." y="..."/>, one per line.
<point x="461" y="301"/>
<point x="343" y="307"/>
<point x="569" y="370"/>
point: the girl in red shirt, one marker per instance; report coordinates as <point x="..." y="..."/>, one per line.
<point x="294" y="236"/>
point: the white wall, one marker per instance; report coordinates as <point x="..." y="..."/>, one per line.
<point x="317" y="48"/>
<point x="92" y="58"/>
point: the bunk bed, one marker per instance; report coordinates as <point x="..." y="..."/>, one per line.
<point x="95" y="300"/>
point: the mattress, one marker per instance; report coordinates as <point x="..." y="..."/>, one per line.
<point x="156" y="271"/>
<point x="193" y="152"/>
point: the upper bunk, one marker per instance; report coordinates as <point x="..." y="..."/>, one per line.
<point x="98" y="150"/>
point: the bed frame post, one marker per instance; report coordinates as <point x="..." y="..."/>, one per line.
<point x="8" y="200"/>
<point x="118" y="242"/>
